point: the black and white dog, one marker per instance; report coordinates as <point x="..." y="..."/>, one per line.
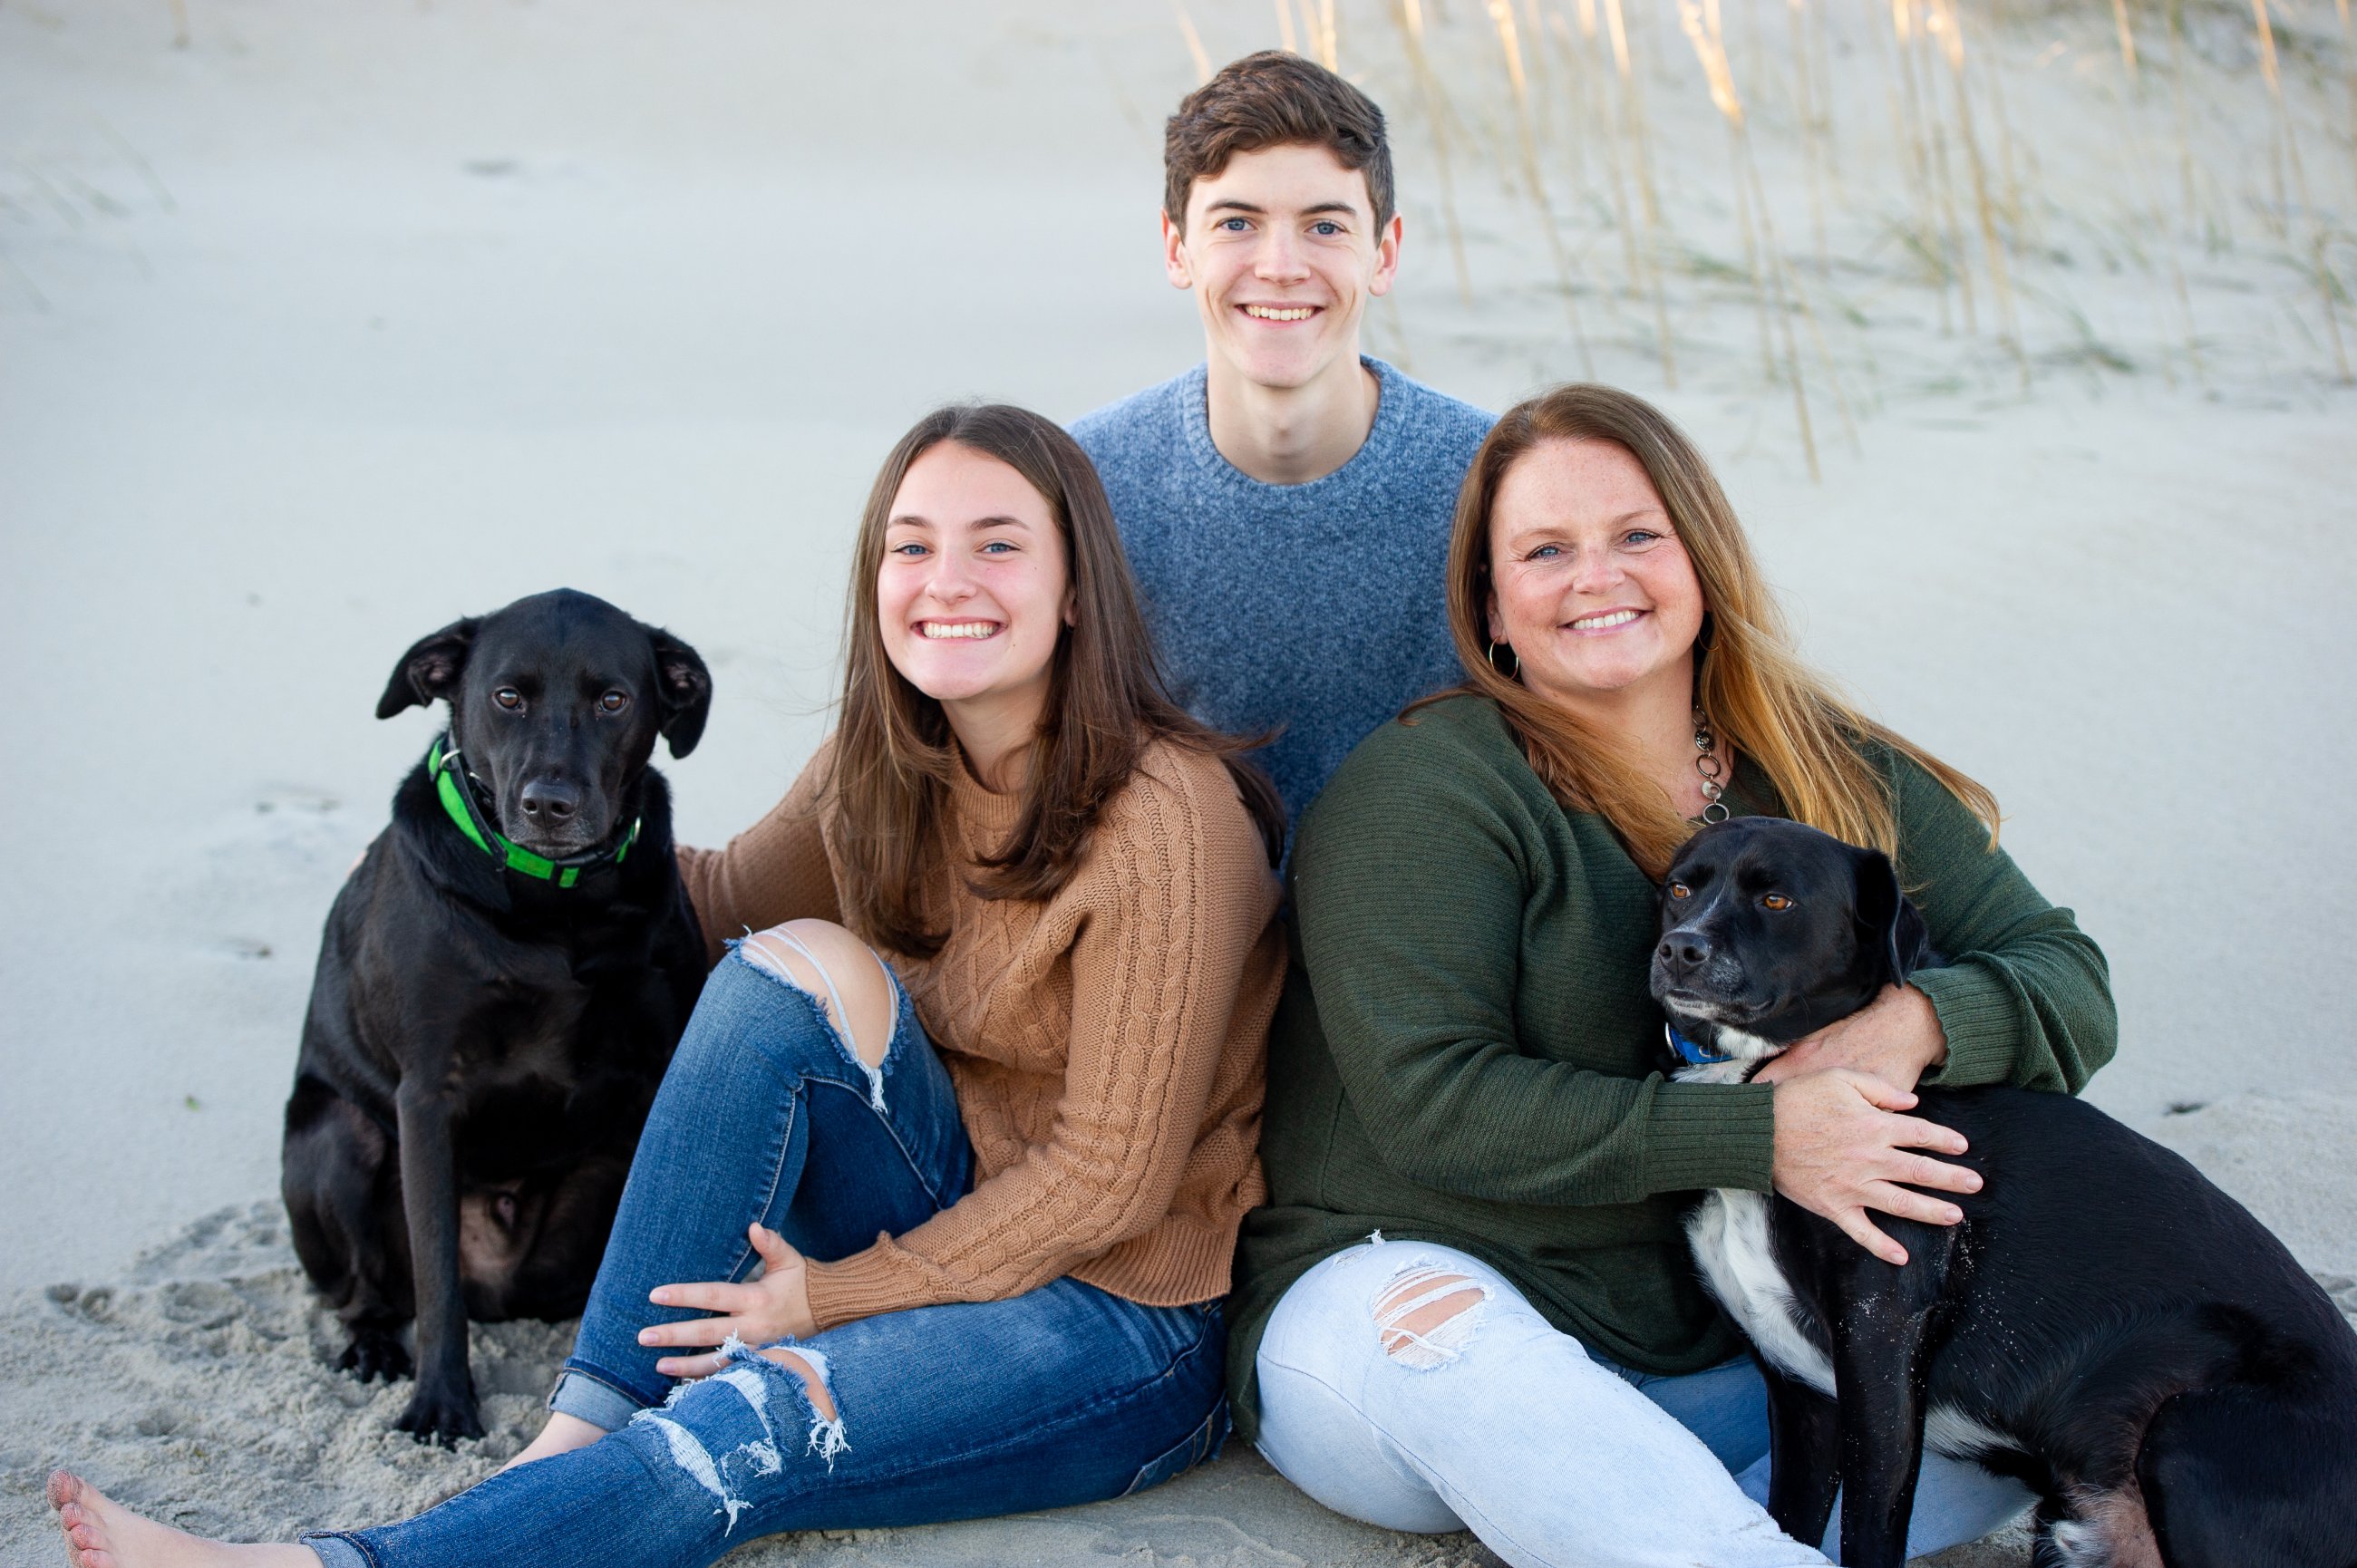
<point x="2105" y="1324"/>
<point x="500" y="984"/>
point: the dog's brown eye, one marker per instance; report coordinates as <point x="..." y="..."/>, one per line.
<point x="1776" y="901"/>
<point x="1680" y="890"/>
<point x="613" y="702"/>
<point x="508" y="697"/>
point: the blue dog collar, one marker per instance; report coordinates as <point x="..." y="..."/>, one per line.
<point x="1690" y="1053"/>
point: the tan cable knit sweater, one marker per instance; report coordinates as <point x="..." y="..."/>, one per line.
<point x="1107" y="1046"/>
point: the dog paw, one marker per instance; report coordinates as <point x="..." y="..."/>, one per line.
<point x="374" y="1353"/>
<point x="441" y="1416"/>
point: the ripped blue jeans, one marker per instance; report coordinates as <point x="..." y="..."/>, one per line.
<point x="1063" y="1395"/>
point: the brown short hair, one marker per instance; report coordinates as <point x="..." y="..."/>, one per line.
<point x="1274" y="99"/>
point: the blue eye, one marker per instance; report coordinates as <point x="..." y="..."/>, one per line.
<point x="1000" y="545"/>
<point x="911" y="549"/>
<point x="1232" y="225"/>
<point x="1544" y="552"/>
<point x="1326" y="229"/>
<point x="1642" y="536"/>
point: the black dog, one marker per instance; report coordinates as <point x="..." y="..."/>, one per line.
<point x="501" y="985"/>
<point x="2105" y="1324"/>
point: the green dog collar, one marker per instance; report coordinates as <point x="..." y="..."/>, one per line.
<point x="459" y="802"/>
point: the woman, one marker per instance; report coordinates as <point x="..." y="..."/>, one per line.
<point x="991" y="1150"/>
<point x="1470" y="1304"/>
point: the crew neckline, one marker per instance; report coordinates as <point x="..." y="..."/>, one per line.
<point x="976" y="803"/>
<point x="1195" y="408"/>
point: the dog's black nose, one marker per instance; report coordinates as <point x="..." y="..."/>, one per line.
<point x="1683" y="952"/>
<point x="551" y="799"/>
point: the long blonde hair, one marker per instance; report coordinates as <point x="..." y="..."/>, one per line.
<point x="1750" y="686"/>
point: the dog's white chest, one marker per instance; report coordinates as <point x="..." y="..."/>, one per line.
<point x="1729" y="1235"/>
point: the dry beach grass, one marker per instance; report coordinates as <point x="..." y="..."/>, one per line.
<point x="317" y="329"/>
<point x="1968" y="164"/>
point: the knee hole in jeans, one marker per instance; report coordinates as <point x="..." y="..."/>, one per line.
<point x="815" y="1387"/>
<point x="1425" y="1314"/>
<point x="839" y="972"/>
<point x="719" y="1470"/>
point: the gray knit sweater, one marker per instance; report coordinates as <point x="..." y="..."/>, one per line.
<point x="1316" y="609"/>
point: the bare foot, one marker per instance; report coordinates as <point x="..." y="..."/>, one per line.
<point x="101" y="1533"/>
<point x="563" y="1434"/>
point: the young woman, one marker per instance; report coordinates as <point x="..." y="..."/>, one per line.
<point x="980" y="1096"/>
<point x="1470" y="1304"/>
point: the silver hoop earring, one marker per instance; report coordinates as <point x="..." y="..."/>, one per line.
<point x="1491" y="656"/>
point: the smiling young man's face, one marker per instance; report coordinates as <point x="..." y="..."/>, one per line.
<point x="1283" y="251"/>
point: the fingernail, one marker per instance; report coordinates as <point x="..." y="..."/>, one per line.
<point x="661" y="1298"/>
<point x="646" y="1335"/>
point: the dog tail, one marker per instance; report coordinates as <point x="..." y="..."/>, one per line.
<point x="2253" y="1477"/>
<point x="2204" y="1437"/>
<point x="2213" y="1439"/>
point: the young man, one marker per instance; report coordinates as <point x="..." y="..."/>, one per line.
<point x="1287" y="504"/>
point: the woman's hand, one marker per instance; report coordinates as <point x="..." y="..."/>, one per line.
<point x="772" y="1307"/>
<point x="1897" y="1038"/>
<point x="1841" y="1150"/>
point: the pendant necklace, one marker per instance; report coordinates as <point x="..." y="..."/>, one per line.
<point x="1707" y="764"/>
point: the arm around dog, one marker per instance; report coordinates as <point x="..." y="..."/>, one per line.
<point x="2025" y="996"/>
<point x="1426" y="878"/>
<point x="773" y="872"/>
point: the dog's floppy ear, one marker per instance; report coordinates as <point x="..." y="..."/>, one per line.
<point x="430" y="670"/>
<point x="687" y="688"/>
<point x="1887" y="912"/>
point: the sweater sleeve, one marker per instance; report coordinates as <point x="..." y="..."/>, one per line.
<point x="2024" y="995"/>
<point x="1177" y="898"/>
<point x="1412" y="882"/>
<point x="775" y="870"/>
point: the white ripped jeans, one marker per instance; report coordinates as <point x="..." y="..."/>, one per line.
<point x="1411" y="1386"/>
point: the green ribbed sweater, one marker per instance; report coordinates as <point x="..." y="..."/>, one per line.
<point x="1465" y="1052"/>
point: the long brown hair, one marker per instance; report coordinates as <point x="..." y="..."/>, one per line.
<point x="1106" y="704"/>
<point x="1750" y="685"/>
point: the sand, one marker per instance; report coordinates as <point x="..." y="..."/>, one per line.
<point x="324" y="329"/>
<point x="214" y="1408"/>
